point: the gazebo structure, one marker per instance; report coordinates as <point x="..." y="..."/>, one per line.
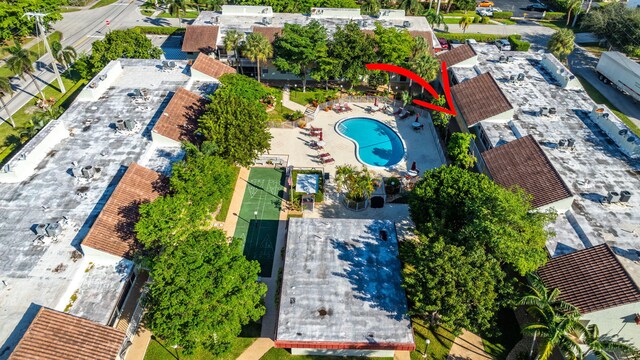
<point x="308" y="185"/>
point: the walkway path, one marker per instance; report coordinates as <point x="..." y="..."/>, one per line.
<point x="286" y="102"/>
<point x="257" y="349"/>
<point x="236" y="202"/>
<point x="468" y="346"/>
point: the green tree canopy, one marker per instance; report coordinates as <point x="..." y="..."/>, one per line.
<point x="394" y="46"/>
<point x="240" y="85"/>
<point x="299" y="48"/>
<point x="561" y="43"/>
<point x="12" y="22"/>
<point x="237" y="126"/>
<point x="450" y="285"/>
<point x="203" y="291"/>
<point x="352" y="49"/>
<point x="128" y="43"/>
<point x="615" y="22"/>
<point x="458" y="149"/>
<point x="470" y="210"/>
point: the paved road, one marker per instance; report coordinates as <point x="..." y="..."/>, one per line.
<point x="80" y="29"/>
<point x="583" y="63"/>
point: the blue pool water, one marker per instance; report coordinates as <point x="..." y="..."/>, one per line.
<point x="377" y="144"/>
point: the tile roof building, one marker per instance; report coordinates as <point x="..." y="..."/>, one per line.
<point x="462" y="55"/>
<point x="523" y="163"/>
<point x="207" y="68"/>
<point x="479" y="99"/>
<point x="200" y="38"/>
<point x="595" y="281"/>
<point x="179" y="120"/>
<point x="341" y="289"/>
<point x="113" y="231"/>
<point x="54" y="335"/>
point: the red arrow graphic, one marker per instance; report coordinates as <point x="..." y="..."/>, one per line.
<point x="415" y="77"/>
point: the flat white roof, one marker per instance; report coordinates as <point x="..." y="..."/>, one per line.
<point x="342" y="283"/>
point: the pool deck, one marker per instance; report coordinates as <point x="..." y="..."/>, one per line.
<point x="422" y="146"/>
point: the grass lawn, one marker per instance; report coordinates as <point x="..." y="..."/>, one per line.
<point x="441" y="341"/>
<point x="277" y="354"/>
<point x="158" y="350"/>
<point x="601" y="99"/>
<point x="224" y="208"/>
<point x="186" y="15"/>
<point x="505" y="21"/>
<point x="279" y="112"/>
<point x="146" y="12"/>
<point x="499" y="345"/>
<point x="307" y="97"/>
<point x="22" y="116"/>
<point x="595" y="50"/>
<point x="452" y="20"/>
<point x="554" y="24"/>
<point x="69" y="9"/>
<point x="102" y="3"/>
<point x="38" y="48"/>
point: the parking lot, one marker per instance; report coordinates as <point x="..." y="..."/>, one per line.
<point x="517" y="7"/>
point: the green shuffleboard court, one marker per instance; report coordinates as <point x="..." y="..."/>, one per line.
<point x="264" y="192"/>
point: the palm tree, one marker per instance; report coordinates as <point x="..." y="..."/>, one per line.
<point x="21" y="62"/>
<point x="602" y="346"/>
<point x="257" y="48"/>
<point x="434" y="18"/>
<point x="370" y="7"/>
<point x="426" y="66"/>
<point x="64" y="55"/>
<point x="175" y="7"/>
<point x="411" y="7"/>
<point x="232" y="40"/>
<point x="561" y="43"/>
<point x="573" y="6"/>
<point x="557" y="330"/>
<point x="465" y="21"/>
<point x="5" y="88"/>
<point x="358" y="184"/>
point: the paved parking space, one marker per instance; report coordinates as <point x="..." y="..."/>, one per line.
<point x="516" y="6"/>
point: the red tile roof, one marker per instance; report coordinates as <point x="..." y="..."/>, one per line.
<point x="592" y="279"/>
<point x="479" y="98"/>
<point x="201" y="38"/>
<point x="523" y="163"/>
<point x="268" y="31"/>
<point x="113" y="230"/>
<point x="179" y="120"/>
<point x="212" y="67"/>
<point x="457" y="55"/>
<point x="54" y="335"/>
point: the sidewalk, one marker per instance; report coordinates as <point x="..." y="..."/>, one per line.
<point x="257" y="349"/>
<point x="286" y="102"/>
<point x="236" y="202"/>
<point x="468" y="346"/>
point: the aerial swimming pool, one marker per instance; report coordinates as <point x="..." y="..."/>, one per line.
<point x="376" y="143"/>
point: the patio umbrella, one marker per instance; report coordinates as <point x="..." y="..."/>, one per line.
<point x="413" y="166"/>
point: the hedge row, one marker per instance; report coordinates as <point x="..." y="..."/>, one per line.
<point x="502" y="15"/>
<point x="554" y="15"/>
<point x="476" y="37"/>
<point x="160" y="30"/>
<point x="518" y="45"/>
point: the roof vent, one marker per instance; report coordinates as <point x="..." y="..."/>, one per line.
<point x="266" y="21"/>
<point x="41" y="229"/>
<point x="623" y="132"/>
<point x="552" y="111"/>
<point x="120" y="125"/>
<point x="571" y="142"/>
<point x="370" y="335"/>
<point x="625" y="196"/>
<point x="292" y="300"/>
<point x="406" y="24"/>
<point x="129" y="124"/>
<point x="520" y="77"/>
<point x="502" y="59"/>
<point x="322" y="312"/>
<point x="88" y="172"/>
<point x="54" y="229"/>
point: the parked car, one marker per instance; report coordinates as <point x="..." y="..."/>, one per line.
<point x="484" y="12"/>
<point x="503" y="45"/>
<point x="495" y="9"/>
<point x="443" y="43"/>
<point x="470" y="41"/>
<point x="537" y="7"/>
<point x="485" y="3"/>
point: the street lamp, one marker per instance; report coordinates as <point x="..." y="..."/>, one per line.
<point x="255" y="215"/>
<point x="426" y="348"/>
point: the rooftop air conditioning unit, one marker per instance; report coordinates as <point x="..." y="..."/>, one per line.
<point x="571" y="142"/>
<point x="88" y="171"/>
<point x="512" y="78"/>
<point x="102" y="77"/>
<point x="623" y="132"/>
<point x="509" y="58"/>
<point x="605" y="115"/>
<point x="120" y="125"/>
<point x="54" y="229"/>
<point x="502" y="59"/>
<point x="265" y="10"/>
<point x="562" y="143"/>
<point x="625" y="196"/>
<point x="544" y="111"/>
<point x="406" y="24"/>
<point x="520" y="76"/>
<point x="41" y="229"/>
<point x="613" y="197"/>
<point x="266" y="20"/>
<point x="553" y="111"/>
<point x="129" y="124"/>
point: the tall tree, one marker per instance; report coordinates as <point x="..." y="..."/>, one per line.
<point x="299" y="47"/>
<point x="441" y="119"/>
<point x="557" y="330"/>
<point x="394" y="46"/>
<point x="435" y="19"/>
<point x="257" y="48"/>
<point x="574" y="6"/>
<point x="603" y="346"/>
<point x="613" y="22"/>
<point x="203" y="291"/>
<point x="21" y="62"/>
<point x="64" y="55"/>
<point x="458" y="149"/>
<point x="357" y="184"/>
<point x="325" y="69"/>
<point x="465" y="22"/>
<point x="561" y="43"/>
<point x="232" y="41"/>
<point x="14" y="24"/>
<point x="6" y="89"/>
<point x="352" y="49"/>
<point x="370" y="7"/>
<point x="469" y="209"/>
<point x="237" y="126"/>
<point x="411" y="7"/>
<point x="176" y="7"/>
<point x="448" y="284"/>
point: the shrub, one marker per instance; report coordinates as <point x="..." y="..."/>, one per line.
<point x="502" y="15"/>
<point x="476" y="19"/>
<point x="485" y="20"/>
<point x="476" y="37"/>
<point x="296" y="197"/>
<point x="160" y="30"/>
<point x="554" y="15"/>
<point x="518" y="45"/>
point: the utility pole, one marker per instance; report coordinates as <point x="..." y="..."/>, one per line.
<point x="54" y="65"/>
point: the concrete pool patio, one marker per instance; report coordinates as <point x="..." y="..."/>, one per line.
<point x="421" y="146"/>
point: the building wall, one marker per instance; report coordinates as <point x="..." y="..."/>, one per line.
<point x="101" y="82"/>
<point x="163" y="141"/>
<point x="618" y="321"/>
<point x="343" y="352"/>
<point x="200" y="76"/>
<point x="560" y="206"/>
